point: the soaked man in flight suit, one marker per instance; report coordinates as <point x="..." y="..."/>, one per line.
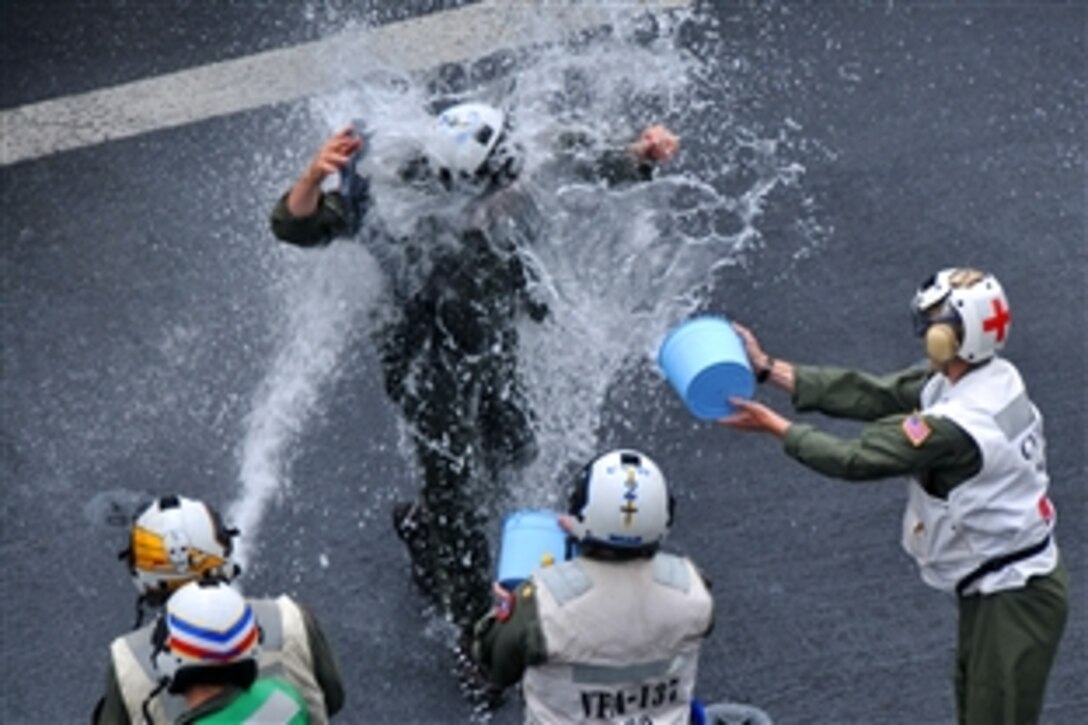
<point x="459" y="285"/>
<point x="978" y="522"/>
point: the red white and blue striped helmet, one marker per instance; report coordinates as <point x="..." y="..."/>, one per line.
<point x="206" y="624"/>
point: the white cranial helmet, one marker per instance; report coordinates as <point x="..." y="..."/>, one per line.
<point x="621" y="501"/>
<point x="462" y="138"/>
<point x="207" y="624"/>
<point x="174" y="541"/>
<point x="962" y="313"/>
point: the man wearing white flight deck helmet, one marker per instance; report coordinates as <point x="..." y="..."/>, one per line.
<point x="979" y="522"/>
<point x="449" y="349"/>
<point x="612" y="635"/>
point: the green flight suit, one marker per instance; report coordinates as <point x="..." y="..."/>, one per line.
<point x="449" y="355"/>
<point x="1007" y="640"/>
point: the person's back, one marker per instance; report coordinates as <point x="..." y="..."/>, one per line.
<point x="286" y="650"/>
<point x="614" y="634"/>
<point x="269" y="701"/>
<point x="205" y="647"/>
<point x="622" y="638"/>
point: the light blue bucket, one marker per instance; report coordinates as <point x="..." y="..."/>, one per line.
<point x="530" y="539"/>
<point x="705" y="361"/>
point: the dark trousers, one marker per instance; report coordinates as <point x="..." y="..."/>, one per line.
<point x="1007" y="643"/>
<point x="472" y="429"/>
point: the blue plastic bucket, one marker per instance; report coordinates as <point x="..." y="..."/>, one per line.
<point x="705" y="361"/>
<point x="530" y="539"/>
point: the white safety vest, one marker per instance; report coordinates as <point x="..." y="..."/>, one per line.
<point x="622" y="641"/>
<point x="285" y="652"/>
<point x="1003" y="509"/>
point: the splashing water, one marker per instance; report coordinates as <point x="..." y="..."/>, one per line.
<point x="617" y="267"/>
<point x="325" y="306"/>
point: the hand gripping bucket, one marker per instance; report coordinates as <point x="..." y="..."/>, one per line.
<point x="705" y="361"/>
<point x="530" y="539"/>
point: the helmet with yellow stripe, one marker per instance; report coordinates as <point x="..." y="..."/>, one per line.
<point x="175" y="540"/>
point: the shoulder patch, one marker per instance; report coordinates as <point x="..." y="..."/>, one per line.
<point x="916" y="429"/>
<point x="504" y="609"/>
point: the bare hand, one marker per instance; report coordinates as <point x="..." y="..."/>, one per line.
<point x="501" y="593"/>
<point x="657" y="143"/>
<point x="756" y="356"/>
<point x="334" y="155"/>
<point x="750" y="415"/>
<point x="305" y="195"/>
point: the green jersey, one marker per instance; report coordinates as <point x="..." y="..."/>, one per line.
<point x="269" y="701"/>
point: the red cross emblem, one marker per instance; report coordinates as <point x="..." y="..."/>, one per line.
<point x="999" y="322"/>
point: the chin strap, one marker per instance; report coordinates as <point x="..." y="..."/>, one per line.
<point x="141" y="607"/>
<point x="146" y="706"/>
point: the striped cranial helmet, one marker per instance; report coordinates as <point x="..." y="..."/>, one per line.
<point x="620" y="501"/>
<point x="207" y="633"/>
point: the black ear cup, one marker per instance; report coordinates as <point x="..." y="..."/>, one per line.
<point x="579" y="492"/>
<point x="942" y="343"/>
<point x="159" y="635"/>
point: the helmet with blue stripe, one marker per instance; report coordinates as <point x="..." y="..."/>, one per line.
<point x="208" y="633"/>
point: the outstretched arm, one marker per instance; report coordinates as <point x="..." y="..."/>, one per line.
<point x="622" y="163"/>
<point x="837" y="392"/>
<point x="306" y="215"/>
<point x="303" y="198"/>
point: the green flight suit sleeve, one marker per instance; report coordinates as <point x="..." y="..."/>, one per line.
<point x="856" y="395"/>
<point x="505" y="649"/>
<point x="111" y="708"/>
<point x="934" y="450"/>
<point x="318" y="229"/>
<point x="614" y="165"/>
<point x="326" y="669"/>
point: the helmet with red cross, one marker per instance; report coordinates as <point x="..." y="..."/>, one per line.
<point x="962" y="313"/>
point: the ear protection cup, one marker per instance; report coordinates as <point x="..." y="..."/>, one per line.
<point x="942" y="343"/>
<point x="579" y="492"/>
<point x="159" y="651"/>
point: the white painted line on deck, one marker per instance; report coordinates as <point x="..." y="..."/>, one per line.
<point x="276" y="76"/>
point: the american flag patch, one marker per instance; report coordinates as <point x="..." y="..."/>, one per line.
<point x="916" y="429"/>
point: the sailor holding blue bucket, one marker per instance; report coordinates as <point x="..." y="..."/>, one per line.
<point x="615" y="632"/>
<point x="979" y="521"/>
